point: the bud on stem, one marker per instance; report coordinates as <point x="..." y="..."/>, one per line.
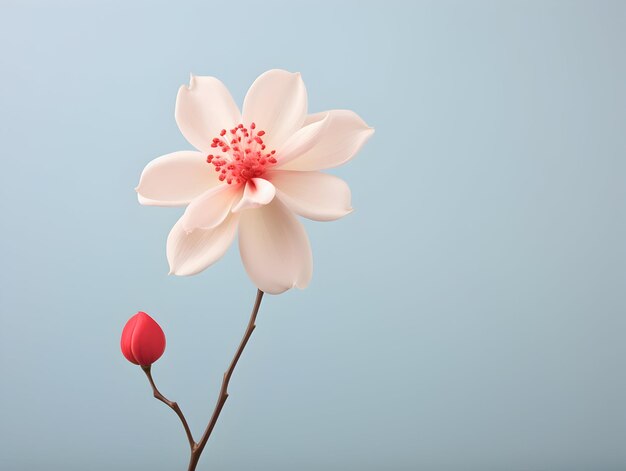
<point x="143" y="340"/>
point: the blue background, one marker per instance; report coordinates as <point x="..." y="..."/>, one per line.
<point x="469" y="315"/>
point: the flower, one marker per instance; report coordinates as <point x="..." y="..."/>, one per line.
<point x="143" y="340"/>
<point x="252" y="173"/>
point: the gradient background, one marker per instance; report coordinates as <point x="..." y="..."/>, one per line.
<point x="470" y="315"/>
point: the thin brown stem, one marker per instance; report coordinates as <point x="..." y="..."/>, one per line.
<point x="172" y="405"/>
<point x="221" y="400"/>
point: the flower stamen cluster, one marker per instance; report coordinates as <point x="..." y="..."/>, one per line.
<point x="245" y="155"/>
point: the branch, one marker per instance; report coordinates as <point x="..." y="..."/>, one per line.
<point x="172" y="405"/>
<point x="221" y="400"/>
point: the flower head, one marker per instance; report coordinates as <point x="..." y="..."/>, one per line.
<point x="143" y="340"/>
<point x="253" y="171"/>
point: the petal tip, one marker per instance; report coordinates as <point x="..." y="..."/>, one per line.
<point x="177" y="272"/>
<point x="301" y="284"/>
<point x="189" y="86"/>
<point x="367" y="134"/>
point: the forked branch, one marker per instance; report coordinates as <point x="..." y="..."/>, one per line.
<point x="197" y="448"/>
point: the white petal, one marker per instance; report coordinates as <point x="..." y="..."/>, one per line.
<point x="339" y="141"/>
<point x="203" y="109"/>
<point x="175" y="179"/>
<point x="275" y="248"/>
<point x="314" y="195"/>
<point x="302" y="141"/>
<point x="210" y="208"/>
<point x="190" y="253"/>
<point x="277" y="103"/>
<point x="258" y="192"/>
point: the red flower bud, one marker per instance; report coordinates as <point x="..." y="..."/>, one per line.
<point x="143" y="340"/>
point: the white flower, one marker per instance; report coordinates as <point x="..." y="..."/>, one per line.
<point x="252" y="171"/>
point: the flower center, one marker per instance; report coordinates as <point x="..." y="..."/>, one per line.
<point x="245" y="156"/>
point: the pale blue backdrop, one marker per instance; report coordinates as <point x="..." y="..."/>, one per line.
<point x="469" y="315"/>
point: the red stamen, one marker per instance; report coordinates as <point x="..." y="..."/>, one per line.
<point x="243" y="156"/>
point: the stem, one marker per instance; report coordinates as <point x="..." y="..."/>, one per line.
<point x="172" y="405"/>
<point x="196" y="449"/>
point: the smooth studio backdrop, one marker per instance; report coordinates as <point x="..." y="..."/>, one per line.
<point x="469" y="315"/>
